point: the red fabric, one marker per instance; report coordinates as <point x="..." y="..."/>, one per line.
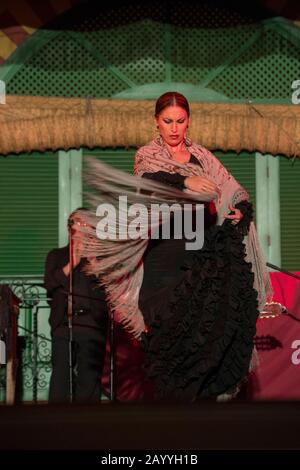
<point x="130" y="382"/>
<point x="278" y="344"/>
<point x="277" y="341"/>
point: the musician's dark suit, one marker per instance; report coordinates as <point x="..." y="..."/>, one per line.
<point x="90" y="319"/>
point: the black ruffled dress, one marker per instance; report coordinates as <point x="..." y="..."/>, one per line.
<point x="200" y="309"/>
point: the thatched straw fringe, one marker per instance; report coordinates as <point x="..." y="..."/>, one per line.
<point x="39" y="123"/>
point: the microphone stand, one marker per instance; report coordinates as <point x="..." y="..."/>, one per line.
<point x="70" y="314"/>
<point x="111" y="337"/>
<point x="285" y="271"/>
<point x="112" y="357"/>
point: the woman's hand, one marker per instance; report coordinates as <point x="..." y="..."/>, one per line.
<point x="202" y="185"/>
<point x="236" y="217"/>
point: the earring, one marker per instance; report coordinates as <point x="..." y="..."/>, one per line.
<point x="157" y="133"/>
<point x="187" y="140"/>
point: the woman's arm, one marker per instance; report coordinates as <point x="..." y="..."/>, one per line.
<point x="198" y="184"/>
<point x="172" y="179"/>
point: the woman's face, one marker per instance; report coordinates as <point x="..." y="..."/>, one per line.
<point x="172" y="124"/>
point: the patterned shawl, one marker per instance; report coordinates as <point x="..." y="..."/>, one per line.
<point x="119" y="263"/>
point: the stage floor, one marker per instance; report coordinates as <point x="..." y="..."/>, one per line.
<point x="204" y="426"/>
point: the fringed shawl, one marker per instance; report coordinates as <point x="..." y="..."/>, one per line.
<point x="119" y="263"/>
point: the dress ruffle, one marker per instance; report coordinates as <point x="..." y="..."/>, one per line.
<point x="200" y="341"/>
